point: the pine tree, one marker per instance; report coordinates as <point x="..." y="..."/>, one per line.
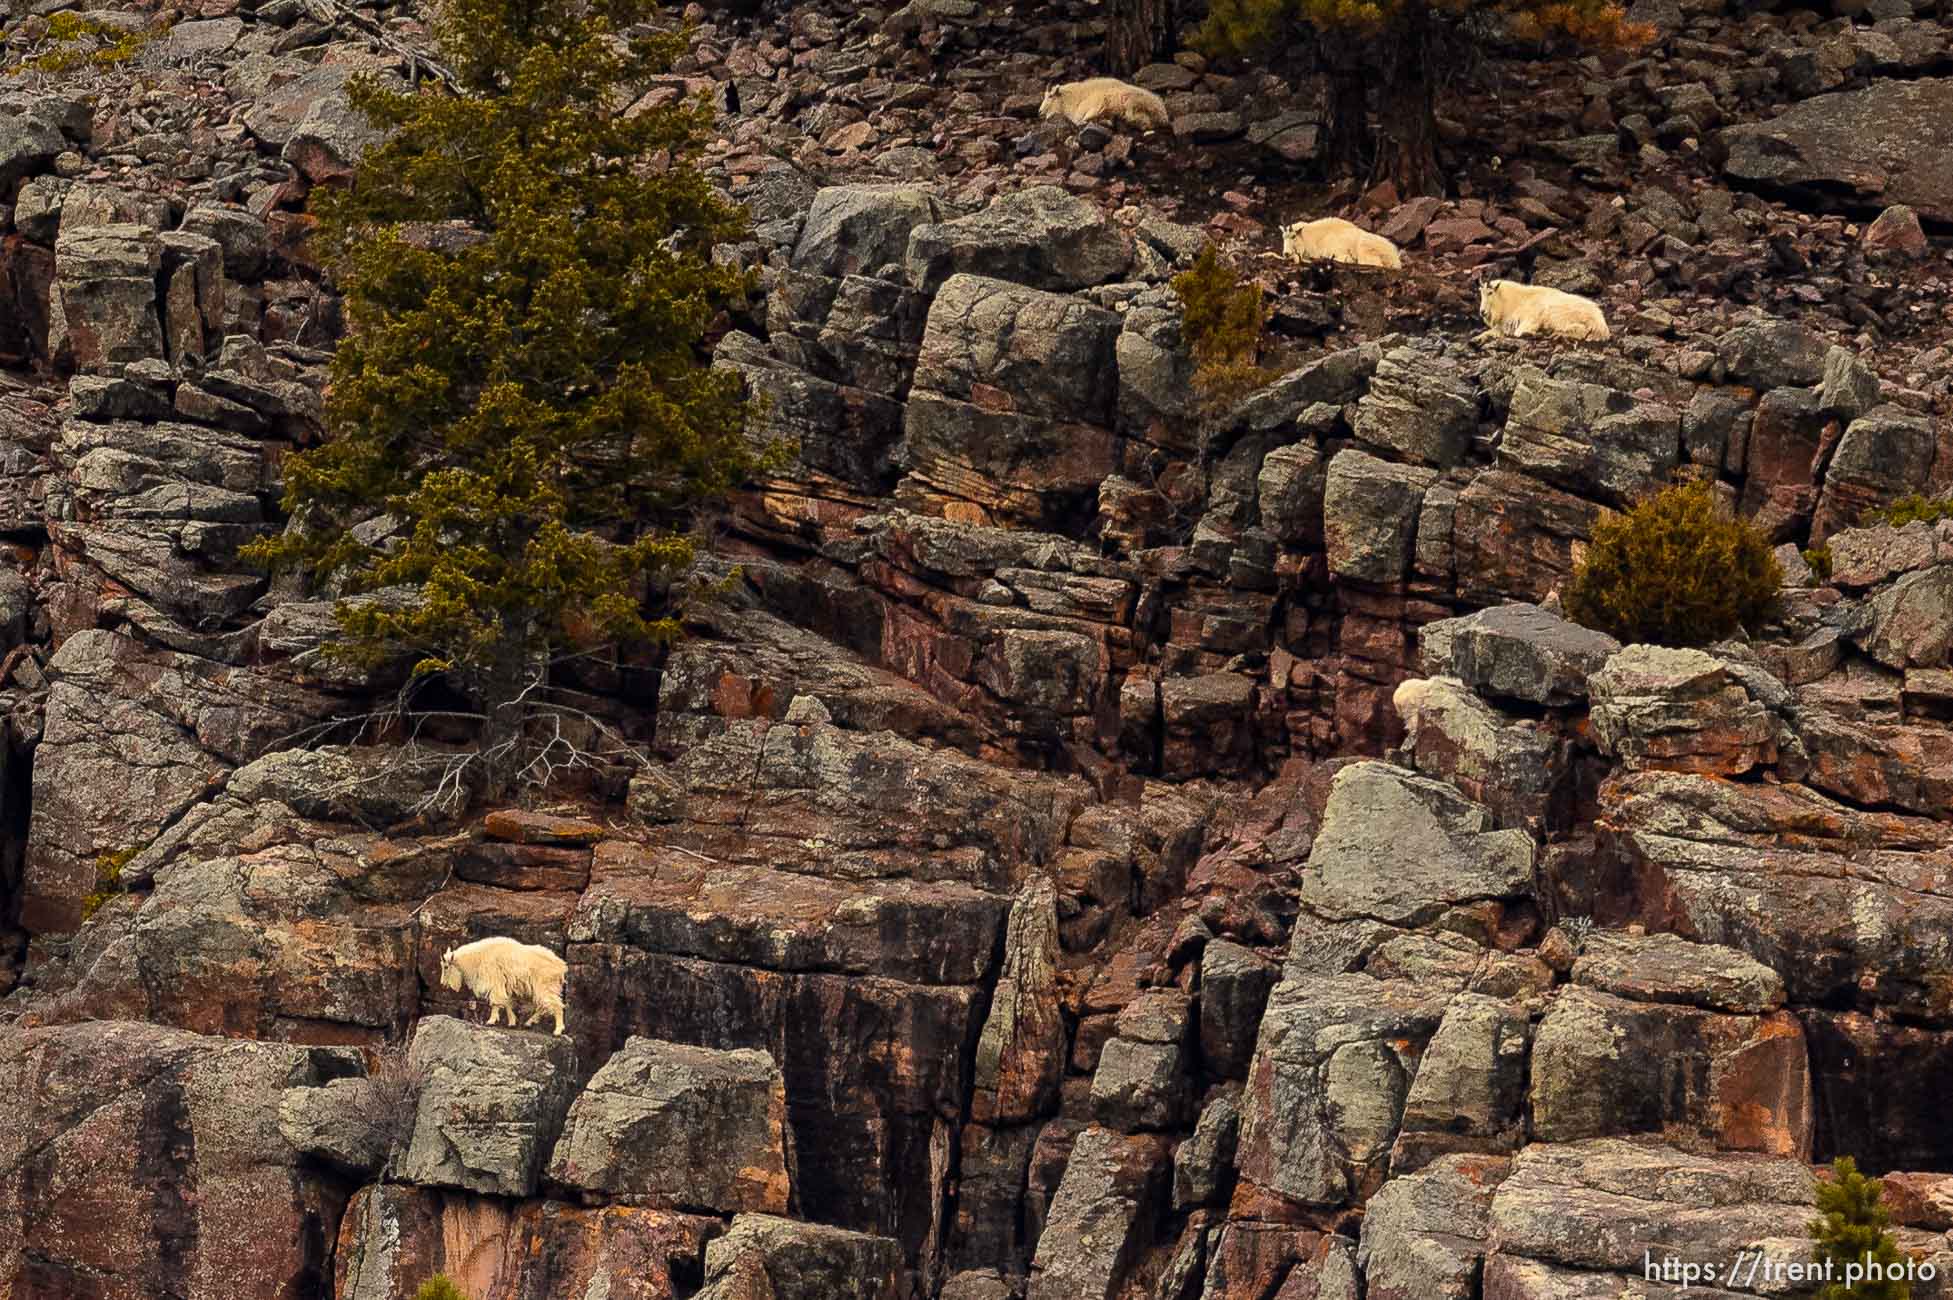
<point x="1851" y="1229"/>
<point x="1403" y="48"/>
<point x="523" y="390"/>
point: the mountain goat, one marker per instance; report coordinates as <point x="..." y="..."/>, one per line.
<point x="1104" y="99"/>
<point x="1334" y="240"/>
<point x="504" y="971"/>
<point x="1516" y="310"/>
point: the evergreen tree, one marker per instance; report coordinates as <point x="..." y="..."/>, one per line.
<point x="1403" y="48"/>
<point x="1851" y="1229"/>
<point x="523" y="388"/>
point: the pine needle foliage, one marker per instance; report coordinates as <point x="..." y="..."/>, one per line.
<point x="1851" y="1229"/>
<point x="1675" y="570"/>
<point x="1222" y="319"/>
<point x="529" y="282"/>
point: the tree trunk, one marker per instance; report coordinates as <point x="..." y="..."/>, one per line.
<point x="1346" y="123"/>
<point x="501" y="690"/>
<point x="1407" y="153"/>
<point x="1138" y="32"/>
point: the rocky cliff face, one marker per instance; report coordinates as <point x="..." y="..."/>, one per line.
<point x="1093" y="849"/>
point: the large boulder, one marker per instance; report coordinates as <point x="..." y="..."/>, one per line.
<point x="860" y="229"/>
<point x="1891" y="142"/>
<point x="1503" y="761"/>
<point x="1884" y="453"/>
<point x="1910" y="623"/>
<point x="1369" y="515"/>
<point x="1516" y="651"/>
<point x="1612" y="1205"/>
<point x="1013" y="397"/>
<point x="1424" y="1233"/>
<point x="1594" y="441"/>
<point x="1112" y="1188"/>
<point x="1605" y="1067"/>
<point x="1418" y="407"/>
<point x="800" y="1261"/>
<point x="1402" y="848"/>
<point x="1044" y="237"/>
<point x="491" y="1105"/>
<point x="1671" y="707"/>
<point x="103" y="310"/>
<point x="692" y="1127"/>
<point x="139" y="1160"/>
<point x="1020" y="1056"/>
<point x="1326" y="1091"/>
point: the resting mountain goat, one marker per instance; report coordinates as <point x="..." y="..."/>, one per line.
<point x="1516" y="310"/>
<point x="504" y="971"/>
<point x="1333" y="239"/>
<point x="1104" y="99"/>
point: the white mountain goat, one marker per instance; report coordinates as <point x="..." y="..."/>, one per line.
<point x="1105" y="100"/>
<point x="1516" y="310"/>
<point x="504" y="971"/>
<point x="1333" y="239"/>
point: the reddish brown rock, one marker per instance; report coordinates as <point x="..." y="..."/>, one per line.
<point x="394" y="1238"/>
<point x="517" y="826"/>
<point x="139" y="1161"/>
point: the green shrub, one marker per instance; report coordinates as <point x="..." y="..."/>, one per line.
<point x="108" y="880"/>
<point x="1222" y="318"/>
<point x="1819" y="558"/>
<point x="76" y="39"/>
<point x="439" y="1287"/>
<point x="1851" y="1228"/>
<point x="1910" y="509"/>
<point x="1675" y="570"/>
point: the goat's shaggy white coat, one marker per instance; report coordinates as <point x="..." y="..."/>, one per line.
<point x="1517" y="310"/>
<point x="1333" y="239"/>
<point x="1104" y="99"/>
<point x="504" y="972"/>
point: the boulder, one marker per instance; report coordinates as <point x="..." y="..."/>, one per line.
<point x="1203" y="1165"/>
<point x="1842" y="904"/>
<point x="344" y="1123"/>
<point x="1013" y="398"/>
<point x="490" y="1108"/>
<point x="859" y="229"/>
<point x="29" y="143"/>
<point x="1611" y="1205"/>
<point x="1369" y="516"/>
<point x="1891" y="142"/>
<point x="1604" y="1067"/>
<point x="1885" y="453"/>
<point x="1424" y="1233"/>
<point x="1593" y="441"/>
<point x="1234" y="986"/>
<point x="1513" y="537"/>
<point x="1910" y="623"/>
<point x="1326" y="1091"/>
<point x="1681" y="709"/>
<point x="1516" y="651"/>
<point x="1101" y="1216"/>
<point x="1469" y="1094"/>
<point x="1771" y="353"/>
<point x="141" y="1160"/>
<point x="1402" y="848"/>
<point x="800" y="1261"/>
<point x="1669" y="968"/>
<point x="695" y="1128"/>
<point x="103" y="311"/>
<point x="1043" y="237"/>
<point x="1418" y="407"/>
<point x="1506" y="763"/>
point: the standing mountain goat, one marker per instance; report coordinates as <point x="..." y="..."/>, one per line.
<point x="1105" y="100"/>
<point x="1516" y="310"/>
<point x="1334" y="240"/>
<point x="504" y="971"/>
